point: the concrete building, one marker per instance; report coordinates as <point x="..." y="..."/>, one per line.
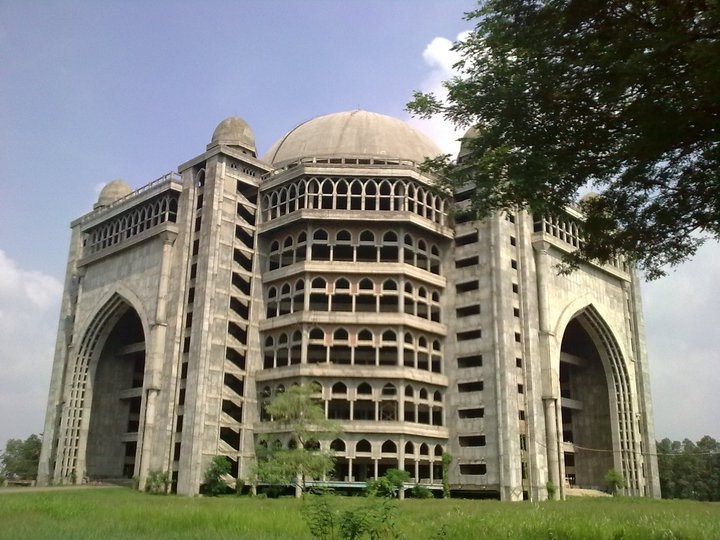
<point x="191" y="301"/>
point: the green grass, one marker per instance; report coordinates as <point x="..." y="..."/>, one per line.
<point x="123" y="513"/>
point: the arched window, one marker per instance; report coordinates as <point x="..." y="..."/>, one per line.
<point x="341" y="197"/>
<point x="320" y="246"/>
<point x="343" y="250"/>
<point x="356" y="195"/>
<point x="364" y="389"/>
<point x="370" y="195"/>
<point x="409" y="448"/>
<point x="272" y="306"/>
<point x="388" y="447"/>
<point x="363" y="446"/>
<point x="389" y="248"/>
<point x="339" y="388"/>
<point x="317" y="333"/>
<point x="313" y="194"/>
<point x="327" y="188"/>
<point x="299" y="296"/>
<point x="385" y="202"/>
<point x="365" y="300"/>
<point x="274" y="258"/>
<point x="338" y="445"/>
<point x="340" y="334"/>
<point x="365" y="335"/>
<point x="301" y="247"/>
<point x="286" y="258"/>
<point x="389" y="390"/>
<point x="318" y="283"/>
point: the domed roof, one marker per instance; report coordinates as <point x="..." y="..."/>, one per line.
<point x="352" y="133"/>
<point x="469" y="134"/>
<point x="113" y="190"/>
<point x="233" y="131"/>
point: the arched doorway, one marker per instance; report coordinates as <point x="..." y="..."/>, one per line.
<point x="117" y="400"/>
<point x="587" y="434"/>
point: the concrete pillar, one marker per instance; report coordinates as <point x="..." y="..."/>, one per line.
<point x="155" y="357"/>
<point x="551" y="442"/>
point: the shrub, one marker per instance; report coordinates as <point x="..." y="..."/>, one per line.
<point x="158" y="482"/>
<point x="615" y="481"/>
<point x="380" y="487"/>
<point x="214" y="484"/>
<point x="420" y="492"/>
<point x="446" y="461"/>
<point x="551" y="489"/>
<point x="320" y="518"/>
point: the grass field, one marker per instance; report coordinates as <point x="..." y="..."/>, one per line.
<point x="123" y="513"/>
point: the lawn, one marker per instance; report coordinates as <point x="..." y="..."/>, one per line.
<point x="123" y="513"/>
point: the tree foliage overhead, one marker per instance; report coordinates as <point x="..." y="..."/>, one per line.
<point x="20" y="458"/>
<point x="623" y="95"/>
<point x="689" y="470"/>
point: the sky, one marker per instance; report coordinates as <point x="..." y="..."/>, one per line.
<point x="96" y="90"/>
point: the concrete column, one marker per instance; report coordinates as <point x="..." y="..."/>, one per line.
<point x="551" y="442"/>
<point x="155" y="359"/>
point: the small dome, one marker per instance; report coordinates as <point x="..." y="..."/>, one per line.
<point x="464" y="150"/>
<point x="113" y="190"/>
<point x="352" y="133"/>
<point x="589" y="196"/>
<point x="233" y="131"/>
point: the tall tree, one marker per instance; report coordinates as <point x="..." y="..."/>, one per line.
<point x="689" y="470"/>
<point x="297" y="413"/>
<point x="20" y="458"/>
<point x="620" y="95"/>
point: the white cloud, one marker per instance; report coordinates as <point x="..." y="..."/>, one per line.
<point x="440" y="59"/>
<point x="29" y="308"/>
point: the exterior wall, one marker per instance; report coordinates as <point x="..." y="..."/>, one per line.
<point x="485" y="387"/>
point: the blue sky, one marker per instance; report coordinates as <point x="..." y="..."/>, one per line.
<point x="91" y="91"/>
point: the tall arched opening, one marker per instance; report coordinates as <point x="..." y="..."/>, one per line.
<point x="587" y="430"/>
<point x="117" y="400"/>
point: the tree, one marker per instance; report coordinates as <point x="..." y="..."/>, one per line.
<point x="620" y="95"/>
<point x="689" y="470"/>
<point x="20" y="458"/>
<point x="446" y="461"/>
<point x="388" y="485"/>
<point x="615" y="481"/>
<point x="214" y="483"/>
<point x="296" y="413"/>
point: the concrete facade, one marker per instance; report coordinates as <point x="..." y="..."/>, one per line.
<point x="190" y="302"/>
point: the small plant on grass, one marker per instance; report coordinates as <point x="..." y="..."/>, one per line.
<point x="420" y="492"/>
<point x="214" y="483"/>
<point x="380" y="487"/>
<point x="158" y="482"/>
<point x="387" y="485"/>
<point x="551" y="490"/>
<point x="446" y="461"/>
<point x="615" y="481"/>
<point x="319" y="517"/>
<point x="375" y="520"/>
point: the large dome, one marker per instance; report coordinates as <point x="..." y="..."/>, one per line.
<point x="352" y="134"/>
